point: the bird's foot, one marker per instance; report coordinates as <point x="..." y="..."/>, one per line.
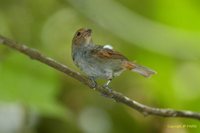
<point x="107" y="87"/>
<point x="93" y="83"/>
<point x="108" y="92"/>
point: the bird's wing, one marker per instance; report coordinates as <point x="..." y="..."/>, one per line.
<point x="106" y="53"/>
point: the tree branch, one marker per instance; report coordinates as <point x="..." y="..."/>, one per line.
<point x="145" y="110"/>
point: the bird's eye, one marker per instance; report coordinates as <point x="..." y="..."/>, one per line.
<point x="78" y="34"/>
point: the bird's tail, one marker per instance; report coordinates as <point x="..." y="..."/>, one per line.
<point x="142" y="70"/>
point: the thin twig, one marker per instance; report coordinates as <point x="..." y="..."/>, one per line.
<point x="146" y="110"/>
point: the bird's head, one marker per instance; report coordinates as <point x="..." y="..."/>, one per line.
<point x="82" y="37"/>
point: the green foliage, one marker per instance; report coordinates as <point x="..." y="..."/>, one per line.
<point x="38" y="90"/>
<point x="161" y="34"/>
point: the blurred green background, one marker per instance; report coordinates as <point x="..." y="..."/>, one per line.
<point x="161" y="34"/>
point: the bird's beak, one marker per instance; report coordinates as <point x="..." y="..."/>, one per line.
<point x="88" y="36"/>
<point x="89" y="32"/>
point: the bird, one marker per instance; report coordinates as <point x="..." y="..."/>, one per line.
<point x="101" y="62"/>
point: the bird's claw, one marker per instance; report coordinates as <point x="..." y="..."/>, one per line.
<point x="93" y="83"/>
<point x="109" y="91"/>
<point x="107" y="87"/>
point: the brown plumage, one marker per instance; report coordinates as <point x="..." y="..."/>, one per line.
<point x="101" y="62"/>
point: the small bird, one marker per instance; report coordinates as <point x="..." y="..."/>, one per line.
<point x="98" y="61"/>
